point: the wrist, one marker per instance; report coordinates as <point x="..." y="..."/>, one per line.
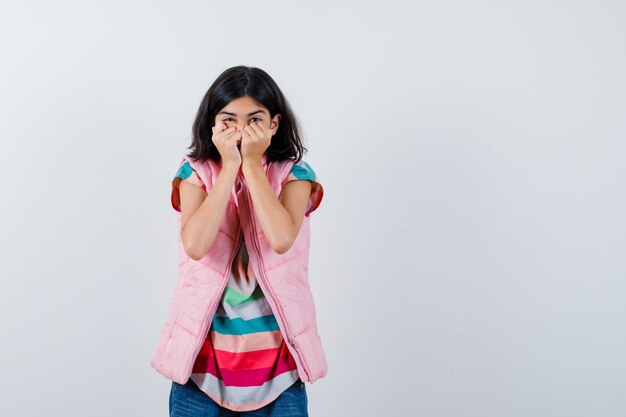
<point x="230" y="167"/>
<point x="251" y="164"/>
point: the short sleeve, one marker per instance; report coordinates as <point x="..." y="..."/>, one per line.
<point x="187" y="173"/>
<point x="302" y="171"/>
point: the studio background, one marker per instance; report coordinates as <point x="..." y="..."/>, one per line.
<point x="468" y="256"/>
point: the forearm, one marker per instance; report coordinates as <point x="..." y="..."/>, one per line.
<point x="202" y="227"/>
<point x="275" y="220"/>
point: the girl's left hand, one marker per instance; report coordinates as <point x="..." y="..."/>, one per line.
<point x="255" y="139"/>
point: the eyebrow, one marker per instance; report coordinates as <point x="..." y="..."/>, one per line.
<point x="249" y="114"/>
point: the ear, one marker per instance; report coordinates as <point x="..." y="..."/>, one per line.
<point x="274" y="123"/>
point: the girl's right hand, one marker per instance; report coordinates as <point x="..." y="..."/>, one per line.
<point x="226" y="141"/>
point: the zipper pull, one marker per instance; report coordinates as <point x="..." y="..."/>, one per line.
<point x="292" y="343"/>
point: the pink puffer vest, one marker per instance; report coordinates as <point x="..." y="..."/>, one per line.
<point x="283" y="279"/>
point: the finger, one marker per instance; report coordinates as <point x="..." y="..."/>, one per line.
<point x="219" y="126"/>
<point x="258" y="130"/>
<point x="264" y="128"/>
<point x="253" y="132"/>
<point x="229" y="132"/>
<point x="228" y="137"/>
<point x="234" y="135"/>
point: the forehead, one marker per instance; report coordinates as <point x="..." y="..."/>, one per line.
<point x="244" y="106"/>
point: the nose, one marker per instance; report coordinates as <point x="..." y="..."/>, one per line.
<point x="241" y="126"/>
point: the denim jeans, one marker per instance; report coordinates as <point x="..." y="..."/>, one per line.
<point x="189" y="401"/>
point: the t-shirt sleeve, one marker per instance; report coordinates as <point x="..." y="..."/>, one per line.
<point x="187" y="173"/>
<point x="303" y="171"/>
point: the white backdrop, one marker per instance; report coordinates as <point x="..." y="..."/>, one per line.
<point x="467" y="258"/>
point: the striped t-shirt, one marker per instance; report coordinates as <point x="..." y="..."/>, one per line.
<point x="244" y="362"/>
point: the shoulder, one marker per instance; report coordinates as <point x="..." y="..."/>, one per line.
<point x="206" y="170"/>
<point x="302" y="170"/>
<point x="187" y="163"/>
<point x="185" y="170"/>
<point x="188" y="170"/>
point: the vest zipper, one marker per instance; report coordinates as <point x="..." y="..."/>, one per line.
<point x="267" y="286"/>
<point x="213" y="308"/>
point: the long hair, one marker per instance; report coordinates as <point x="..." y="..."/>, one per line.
<point x="241" y="81"/>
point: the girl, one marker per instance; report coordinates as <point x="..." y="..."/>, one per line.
<point x="241" y="335"/>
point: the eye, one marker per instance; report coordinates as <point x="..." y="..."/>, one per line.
<point x="258" y="118"/>
<point x="226" y="119"/>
